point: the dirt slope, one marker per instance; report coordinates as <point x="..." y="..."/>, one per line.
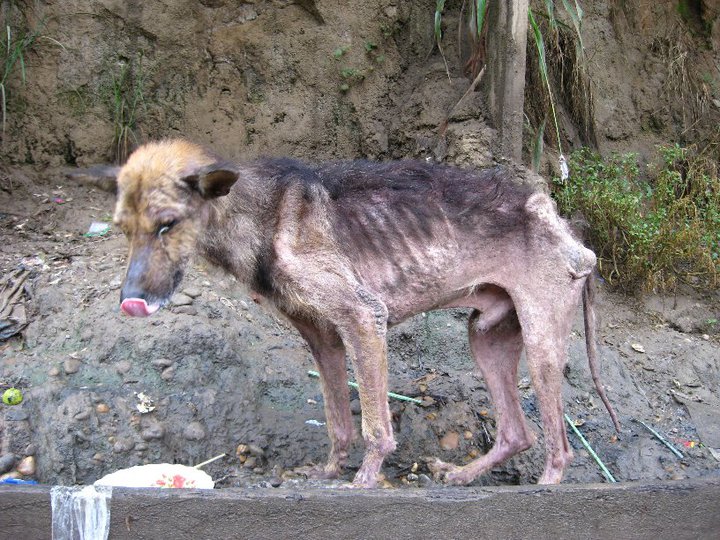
<point x="267" y="77"/>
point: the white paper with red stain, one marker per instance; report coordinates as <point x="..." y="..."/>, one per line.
<point x="162" y="475"/>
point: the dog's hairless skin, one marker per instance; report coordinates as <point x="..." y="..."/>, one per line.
<point x="345" y="250"/>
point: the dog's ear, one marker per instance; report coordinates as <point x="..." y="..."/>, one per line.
<point x="213" y="180"/>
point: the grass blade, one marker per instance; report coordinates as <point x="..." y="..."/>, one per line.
<point x="540" y="44"/>
<point x="537" y="147"/>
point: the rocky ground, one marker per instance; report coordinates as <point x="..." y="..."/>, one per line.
<point x="215" y="373"/>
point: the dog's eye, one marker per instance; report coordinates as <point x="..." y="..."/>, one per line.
<point x="165" y="227"/>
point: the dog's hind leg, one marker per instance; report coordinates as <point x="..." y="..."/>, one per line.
<point x="497" y="353"/>
<point x="329" y="353"/>
<point x="546" y="323"/>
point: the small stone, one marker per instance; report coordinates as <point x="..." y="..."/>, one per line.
<point x="123" y="444"/>
<point x="194" y="431"/>
<point x="30" y="450"/>
<point x="122" y="367"/>
<point x="250" y="462"/>
<point x="99" y="457"/>
<point x="82" y="415"/>
<point x="181" y="299"/>
<point x="54" y="371"/>
<point x="412" y="477"/>
<point x="26" y="467"/>
<point x="141" y="447"/>
<point x="706" y="337"/>
<point x="425" y="481"/>
<point x="72" y="365"/>
<point x="468" y="435"/>
<point x="102" y="408"/>
<point x="242" y="449"/>
<point x="16" y="415"/>
<point x="6" y="462"/>
<point x="168" y="373"/>
<point x="192" y="292"/>
<point x="450" y="440"/>
<point x="186" y="310"/>
<point x="276" y="481"/>
<point x="355" y="407"/>
<point x="162" y="363"/>
<point x="152" y="431"/>
<point x="255" y="450"/>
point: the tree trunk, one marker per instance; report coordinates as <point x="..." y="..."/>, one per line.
<point x="507" y="38"/>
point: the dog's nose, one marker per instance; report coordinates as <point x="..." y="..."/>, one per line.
<point x="129" y="290"/>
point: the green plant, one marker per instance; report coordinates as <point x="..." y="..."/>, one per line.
<point x="13" y="48"/>
<point x="650" y="230"/>
<point x="127" y="102"/>
<point x="13" y="53"/>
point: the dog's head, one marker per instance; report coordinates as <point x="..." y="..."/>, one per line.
<point x="163" y="194"/>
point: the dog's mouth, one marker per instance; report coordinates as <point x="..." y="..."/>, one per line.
<point x="138" y="307"/>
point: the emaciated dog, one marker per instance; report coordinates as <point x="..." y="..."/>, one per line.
<point x="345" y="250"/>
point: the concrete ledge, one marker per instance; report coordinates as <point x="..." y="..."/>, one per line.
<point x="673" y="510"/>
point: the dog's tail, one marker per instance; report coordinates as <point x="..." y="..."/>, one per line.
<point x="591" y="344"/>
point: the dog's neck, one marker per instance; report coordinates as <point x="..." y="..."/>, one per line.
<point x="234" y="233"/>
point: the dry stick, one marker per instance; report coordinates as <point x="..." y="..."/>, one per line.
<point x="352" y="384"/>
<point x="661" y="439"/>
<point x="201" y="465"/>
<point x="443" y="126"/>
<point x="587" y="446"/>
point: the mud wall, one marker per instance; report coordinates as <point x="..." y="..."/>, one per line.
<point x="674" y="510"/>
<point x="328" y="79"/>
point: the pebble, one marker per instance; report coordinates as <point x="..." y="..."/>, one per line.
<point x="54" y="371"/>
<point x="162" y="362"/>
<point x="468" y="435"/>
<point x="16" y="414"/>
<point x="276" y="481"/>
<point x="141" y="447"/>
<point x="412" y="477"/>
<point x="123" y="444"/>
<point x="123" y="367"/>
<point x="355" y="407"/>
<point x="181" y="299"/>
<point x="82" y="415"/>
<point x="168" y="373"/>
<point x="152" y="431"/>
<point x="30" y="450"/>
<point x="192" y="292"/>
<point x="425" y="481"/>
<point x="194" y="431"/>
<point x="450" y="440"/>
<point x="186" y="310"/>
<point x="26" y="467"/>
<point x="102" y="408"/>
<point x="72" y="365"/>
<point x="99" y="457"/>
<point x="6" y="462"/>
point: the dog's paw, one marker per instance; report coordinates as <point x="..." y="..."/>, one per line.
<point x="317" y="472"/>
<point x="447" y="473"/>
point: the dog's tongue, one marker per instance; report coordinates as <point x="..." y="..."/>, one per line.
<point x="138" y="307"/>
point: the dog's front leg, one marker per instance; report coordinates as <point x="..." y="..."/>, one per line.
<point x="329" y="353"/>
<point x="366" y="345"/>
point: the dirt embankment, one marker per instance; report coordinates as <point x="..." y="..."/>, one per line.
<point x="268" y="77"/>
